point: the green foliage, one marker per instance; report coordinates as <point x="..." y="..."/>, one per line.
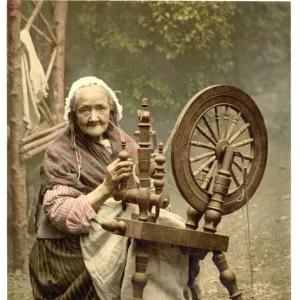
<point x="182" y="28"/>
<point x="167" y="51"/>
<point x="159" y="50"/>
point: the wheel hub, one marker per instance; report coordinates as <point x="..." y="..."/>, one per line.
<point x="220" y="149"/>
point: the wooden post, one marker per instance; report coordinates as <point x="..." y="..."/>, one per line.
<point x="17" y="178"/>
<point x="58" y="73"/>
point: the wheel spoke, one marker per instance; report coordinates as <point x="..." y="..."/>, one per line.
<point x="205" y="134"/>
<point x="199" y="157"/>
<point x="199" y="144"/>
<point x="238" y="133"/>
<point x="238" y="166"/>
<point x="243" y="143"/>
<point x="208" y="125"/>
<point x="200" y="169"/>
<point x="233" y="124"/>
<point x="236" y="180"/>
<point x="247" y="157"/>
<point x="217" y="116"/>
<point x="209" y="175"/>
<point x="225" y="124"/>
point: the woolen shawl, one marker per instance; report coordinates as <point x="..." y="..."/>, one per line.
<point x="60" y="165"/>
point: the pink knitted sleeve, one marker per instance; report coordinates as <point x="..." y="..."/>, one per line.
<point x="68" y="209"/>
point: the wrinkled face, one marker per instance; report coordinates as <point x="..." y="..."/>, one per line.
<point x="92" y="111"/>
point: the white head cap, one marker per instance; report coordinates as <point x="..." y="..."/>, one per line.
<point x="86" y="81"/>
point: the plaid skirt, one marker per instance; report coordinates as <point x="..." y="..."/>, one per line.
<point x="57" y="271"/>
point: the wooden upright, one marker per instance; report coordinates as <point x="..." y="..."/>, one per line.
<point x="21" y="148"/>
<point x="213" y="216"/>
<point x="17" y="169"/>
<point x="58" y="73"/>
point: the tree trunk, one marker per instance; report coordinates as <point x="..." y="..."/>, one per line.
<point x="17" y="169"/>
<point x="58" y="73"/>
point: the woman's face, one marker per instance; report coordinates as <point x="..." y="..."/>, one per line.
<point x="92" y="111"/>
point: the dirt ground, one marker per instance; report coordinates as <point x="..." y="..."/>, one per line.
<point x="269" y="219"/>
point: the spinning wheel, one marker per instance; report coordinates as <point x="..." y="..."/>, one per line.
<point x="214" y="118"/>
<point x="219" y="154"/>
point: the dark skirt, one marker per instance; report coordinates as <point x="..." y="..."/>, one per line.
<point x="57" y="271"/>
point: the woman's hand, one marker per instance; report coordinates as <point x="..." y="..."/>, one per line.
<point x="117" y="171"/>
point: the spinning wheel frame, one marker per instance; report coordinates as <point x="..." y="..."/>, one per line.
<point x="194" y="111"/>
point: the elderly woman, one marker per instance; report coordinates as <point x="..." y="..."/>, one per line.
<point x="80" y="171"/>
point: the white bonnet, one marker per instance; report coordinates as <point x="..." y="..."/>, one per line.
<point x="86" y="81"/>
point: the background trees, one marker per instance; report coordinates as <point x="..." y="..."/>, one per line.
<point x="163" y="50"/>
<point x="168" y="51"/>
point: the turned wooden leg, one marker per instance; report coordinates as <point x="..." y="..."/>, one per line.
<point x="227" y="277"/>
<point x="193" y="218"/>
<point x="139" y="278"/>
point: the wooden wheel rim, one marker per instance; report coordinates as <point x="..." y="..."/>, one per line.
<point x="180" y="152"/>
